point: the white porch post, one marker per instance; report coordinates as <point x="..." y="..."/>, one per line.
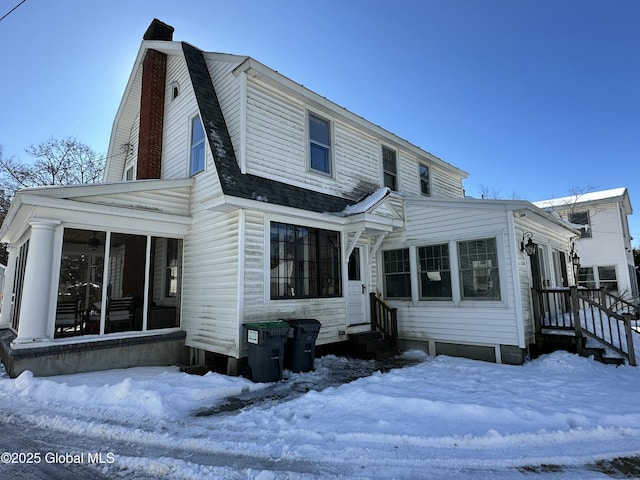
<point x="34" y="309"/>
<point x="7" y="299"/>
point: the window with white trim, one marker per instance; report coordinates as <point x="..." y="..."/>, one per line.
<point x="425" y="185"/>
<point x="305" y="262"/>
<point x="196" y="158"/>
<point x="397" y="273"/>
<point x="598" y="277"/>
<point x="478" y="269"/>
<point x="319" y="144"/>
<point x="390" y="168"/>
<point x="434" y="272"/>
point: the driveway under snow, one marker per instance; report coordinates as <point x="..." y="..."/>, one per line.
<point x="561" y="416"/>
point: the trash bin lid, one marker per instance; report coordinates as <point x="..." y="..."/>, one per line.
<point x="306" y="324"/>
<point x="265" y="325"/>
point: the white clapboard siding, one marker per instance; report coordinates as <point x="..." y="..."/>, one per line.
<point x="443" y="185"/>
<point x="358" y="164"/>
<point x="172" y="201"/>
<point x="210" y="270"/>
<point x="132" y="152"/>
<point x="408" y="173"/>
<point x="178" y="114"/>
<point x="227" y="86"/>
<point x="474" y="322"/>
<point x="210" y="283"/>
<point x="276" y="148"/>
<point x="275" y="134"/>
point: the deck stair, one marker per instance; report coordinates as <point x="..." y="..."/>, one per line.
<point x="381" y="341"/>
<point x="590" y="322"/>
<point x="371" y="345"/>
<point x="551" y="342"/>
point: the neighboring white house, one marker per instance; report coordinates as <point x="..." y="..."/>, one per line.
<point x="604" y="244"/>
<point x="233" y="194"/>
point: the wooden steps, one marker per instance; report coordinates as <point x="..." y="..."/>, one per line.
<point x="568" y="342"/>
<point x="371" y="345"/>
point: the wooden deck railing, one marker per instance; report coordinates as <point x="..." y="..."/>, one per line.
<point x="585" y="312"/>
<point x="384" y="319"/>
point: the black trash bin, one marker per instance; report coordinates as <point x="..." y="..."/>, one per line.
<point x="300" y="349"/>
<point x="266" y="342"/>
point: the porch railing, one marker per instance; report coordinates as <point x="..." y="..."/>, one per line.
<point x="384" y="319"/>
<point x="584" y="312"/>
<point x="613" y="302"/>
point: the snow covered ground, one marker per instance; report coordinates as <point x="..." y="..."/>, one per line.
<point x="560" y="416"/>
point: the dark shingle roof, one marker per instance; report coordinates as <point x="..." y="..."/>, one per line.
<point x="232" y="180"/>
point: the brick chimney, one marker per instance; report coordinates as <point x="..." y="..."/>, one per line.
<point x="154" y="80"/>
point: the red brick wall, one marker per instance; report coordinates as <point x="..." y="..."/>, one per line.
<point x="134" y="266"/>
<point x="154" y="75"/>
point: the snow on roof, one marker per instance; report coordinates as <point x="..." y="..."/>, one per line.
<point x="366" y="204"/>
<point x="582" y="198"/>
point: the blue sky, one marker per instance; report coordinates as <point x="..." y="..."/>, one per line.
<point x="531" y="98"/>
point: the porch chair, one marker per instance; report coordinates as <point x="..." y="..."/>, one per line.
<point x="68" y="318"/>
<point x="119" y="314"/>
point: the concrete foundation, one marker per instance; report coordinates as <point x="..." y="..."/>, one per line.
<point x="161" y="349"/>
<point x="509" y="354"/>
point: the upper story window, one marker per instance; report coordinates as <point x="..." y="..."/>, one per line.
<point x="425" y="187"/>
<point x="581" y="218"/>
<point x="196" y="159"/>
<point x="478" y="269"/>
<point x="319" y="144"/>
<point x="390" y="168"/>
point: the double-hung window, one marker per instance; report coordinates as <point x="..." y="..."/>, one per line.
<point x="305" y="262"/>
<point x="598" y="277"/>
<point x="319" y="144"/>
<point x="390" y="168"/>
<point x="607" y="278"/>
<point x="397" y="273"/>
<point x="425" y="187"/>
<point x="478" y="268"/>
<point x="435" y="273"/>
<point x="196" y="158"/>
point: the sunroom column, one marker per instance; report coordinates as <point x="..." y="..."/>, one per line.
<point x="9" y="275"/>
<point x="35" y="304"/>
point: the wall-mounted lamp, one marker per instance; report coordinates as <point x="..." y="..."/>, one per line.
<point x="529" y="247"/>
<point x="573" y="255"/>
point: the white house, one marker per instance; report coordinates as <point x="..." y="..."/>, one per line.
<point x="233" y="194"/>
<point x="604" y="244"/>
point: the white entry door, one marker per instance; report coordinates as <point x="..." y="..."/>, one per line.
<point x="356" y="288"/>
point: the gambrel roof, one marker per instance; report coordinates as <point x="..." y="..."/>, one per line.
<point x="232" y="180"/>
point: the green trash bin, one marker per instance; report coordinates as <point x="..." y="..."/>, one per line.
<point x="266" y="342"/>
<point x="300" y="349"/>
